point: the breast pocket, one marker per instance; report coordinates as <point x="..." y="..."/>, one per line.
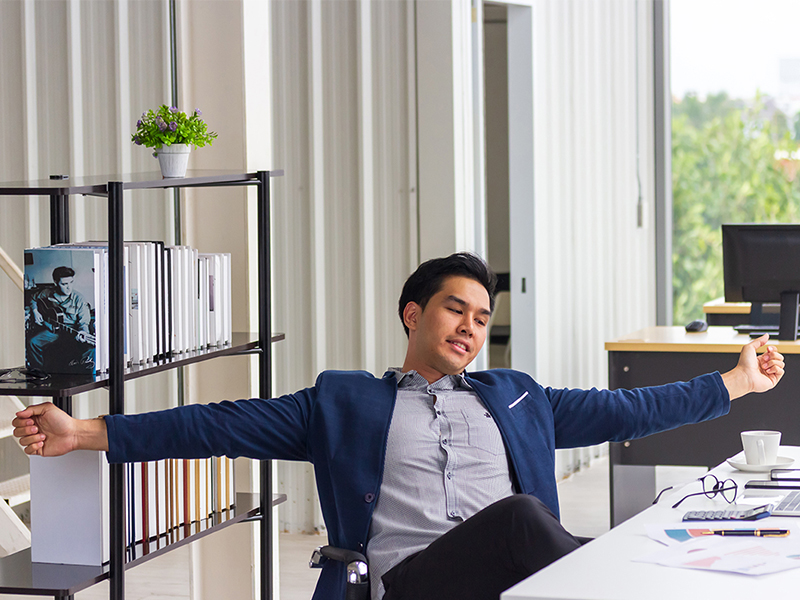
<point x="483" y="432"/>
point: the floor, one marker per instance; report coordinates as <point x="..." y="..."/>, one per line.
<point x="584" y="512"/>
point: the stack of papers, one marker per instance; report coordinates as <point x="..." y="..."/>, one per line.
<point x="690" y="548"/>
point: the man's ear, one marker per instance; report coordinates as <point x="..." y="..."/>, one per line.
<point x="411" y="314"/>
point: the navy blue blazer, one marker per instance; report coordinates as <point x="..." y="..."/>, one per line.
<point x="342" y="423"/>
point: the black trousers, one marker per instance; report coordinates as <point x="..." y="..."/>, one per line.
<point x="485" y="555"/>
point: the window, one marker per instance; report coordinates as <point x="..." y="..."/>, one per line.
<point x="735" y="77"/>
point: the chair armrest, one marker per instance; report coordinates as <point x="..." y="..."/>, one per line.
<point x="356" y="565"/>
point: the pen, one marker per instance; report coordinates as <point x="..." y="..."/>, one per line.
<point x="749" y="532"/>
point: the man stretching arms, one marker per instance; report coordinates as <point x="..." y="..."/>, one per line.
<point x="444" y="478"/>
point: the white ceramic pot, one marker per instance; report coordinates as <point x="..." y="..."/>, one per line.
<point x="173" y="159"/>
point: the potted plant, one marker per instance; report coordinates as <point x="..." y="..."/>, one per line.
<point x="171" y="133"/>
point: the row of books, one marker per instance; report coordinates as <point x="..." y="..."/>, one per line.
<point x="177" y="300"/>
<point x="165" y="502"/>
<point x="171" y="499"/>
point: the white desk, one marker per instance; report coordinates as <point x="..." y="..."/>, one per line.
<point x="603" y="569"/>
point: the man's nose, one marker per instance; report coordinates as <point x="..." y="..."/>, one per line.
<point x="466" y="327"/>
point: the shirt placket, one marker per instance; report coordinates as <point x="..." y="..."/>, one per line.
<point x="443" y="417"/>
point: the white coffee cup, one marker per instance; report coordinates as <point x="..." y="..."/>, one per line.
<point x="761" y="447"/>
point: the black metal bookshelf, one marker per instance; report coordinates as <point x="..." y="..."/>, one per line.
<point x="18" y="575"/>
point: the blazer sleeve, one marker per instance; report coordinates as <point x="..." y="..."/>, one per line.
<point x="587" y="417"/>
<point x="276" y="428"/>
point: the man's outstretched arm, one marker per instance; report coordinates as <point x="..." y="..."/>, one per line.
<point x="754" y="372"/>
<point x="46" y="430"/>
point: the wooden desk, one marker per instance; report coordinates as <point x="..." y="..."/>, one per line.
<point x="659" y="355"/>
<point x="603" y="569"/>
<point x="719" y="312"/>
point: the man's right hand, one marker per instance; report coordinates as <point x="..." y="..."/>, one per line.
<point x="45" y="430"/>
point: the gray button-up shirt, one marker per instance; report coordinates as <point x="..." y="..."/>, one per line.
<point x="445" y="461"/>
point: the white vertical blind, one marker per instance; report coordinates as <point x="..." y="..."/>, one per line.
<point x="70" y="98"/>
<point x="343" y="212"/>
<point x="594" y="263"/>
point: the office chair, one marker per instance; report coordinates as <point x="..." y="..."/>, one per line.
<point x="356" y="565"/>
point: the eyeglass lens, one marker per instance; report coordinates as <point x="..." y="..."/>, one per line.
<point x="713" y="486"/>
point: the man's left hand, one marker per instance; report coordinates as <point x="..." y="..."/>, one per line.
<point x="754" y="372"/>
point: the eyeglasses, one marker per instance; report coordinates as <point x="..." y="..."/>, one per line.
<point x="712" y="486"/>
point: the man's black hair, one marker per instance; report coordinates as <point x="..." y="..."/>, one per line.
<point x="60" y="272"/>
<point x="429" y="278"/>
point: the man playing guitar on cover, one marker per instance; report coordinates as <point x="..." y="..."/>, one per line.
<point x="64" y="317"/>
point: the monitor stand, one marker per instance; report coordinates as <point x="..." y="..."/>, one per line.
<point x="787" y="330"/>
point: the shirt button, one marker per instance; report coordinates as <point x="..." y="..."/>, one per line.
<point x="453" y="514"/>
<point x="438" y="412"/>
<point x="369" y="497"/>
<point x="444" y="442"/>
<point x="449" y="475"/>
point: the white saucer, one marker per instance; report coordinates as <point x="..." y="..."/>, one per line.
<point x="738" y="462"/>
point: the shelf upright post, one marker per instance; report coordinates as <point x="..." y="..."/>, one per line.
<point x="59" y="234"/>
<point x="116" y="385"/>
<point x="265" y="370"/>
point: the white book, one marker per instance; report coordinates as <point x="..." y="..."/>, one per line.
<point x="153" y="266"/>
<point x="214" y="300"/>
<point x="172" y="280"/>
<point x="203" y="489"/>
<point x="161" y="498"/>
<point x="137" y="524"/>
<point x="69" y="509"/>
<point x="158" y="250"/>
<point x="195" y="300"/>
<point x="135" y="257"/>
<point x="230" y="490"/>
<point x="168" y="300"/>
<point x="227" y="303"/>
<point x="144" y="301"/>
<point x="152" y="501"/>
<point x="101" y="257"/>
<point x="126" y="279"/>
<point x="191" y="286"/>
<point x="186" y="307"/>
<point x="202" y="301"/>
<point x="179" y="306"/>
<point x="152" y="313"/>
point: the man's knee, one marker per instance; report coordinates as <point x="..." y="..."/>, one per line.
<point x="527" y="509"/>
<point x="530" y="523"/>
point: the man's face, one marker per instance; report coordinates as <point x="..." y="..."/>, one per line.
<point x="447" y="335"/>
<point x="64" y="285"/>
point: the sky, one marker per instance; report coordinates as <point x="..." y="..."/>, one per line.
<point x="731" y="45"/>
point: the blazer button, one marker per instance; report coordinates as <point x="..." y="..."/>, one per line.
<point x="369" y="497"/>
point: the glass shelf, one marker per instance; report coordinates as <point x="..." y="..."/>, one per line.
<point x="19" y="575"/>
<point x="62" y="385"/>
<point x="98" y="184"/>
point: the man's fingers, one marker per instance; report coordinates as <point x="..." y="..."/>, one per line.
<point x="22" y="431"/>
<point x="21" y="422"/>
<point x="34" y="410"/>
<point x="34" y="449"/>
<point x="758" y="342"/>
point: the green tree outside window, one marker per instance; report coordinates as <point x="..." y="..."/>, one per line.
<point x="732" y="162"/>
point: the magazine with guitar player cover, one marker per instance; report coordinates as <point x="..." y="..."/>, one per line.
<point x="62" y="292"/>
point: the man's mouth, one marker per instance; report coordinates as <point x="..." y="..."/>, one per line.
<point x="460" y="346"/>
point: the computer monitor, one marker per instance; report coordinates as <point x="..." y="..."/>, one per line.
<point x="761" y="263"/>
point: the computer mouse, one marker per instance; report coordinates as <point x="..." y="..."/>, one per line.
<point x="696" y="326"/>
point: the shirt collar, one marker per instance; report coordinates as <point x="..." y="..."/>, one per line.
<point x="413" y="380"/>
